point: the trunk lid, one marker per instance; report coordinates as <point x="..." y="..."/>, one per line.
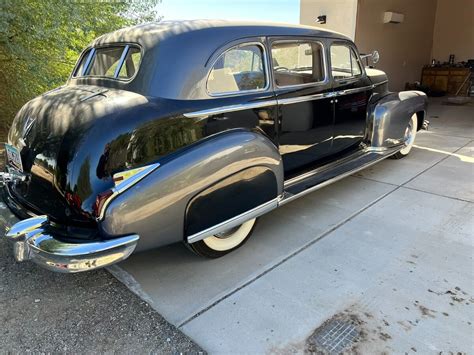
<point x="48" y="131"/>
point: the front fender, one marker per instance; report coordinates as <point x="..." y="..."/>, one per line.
<point x="388" y="116"/>
<point x="155" y="208"/>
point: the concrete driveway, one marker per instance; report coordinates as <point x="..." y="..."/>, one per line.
<point x="379" y="261"/>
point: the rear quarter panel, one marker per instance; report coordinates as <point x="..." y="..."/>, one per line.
<point x="155" y="208"/>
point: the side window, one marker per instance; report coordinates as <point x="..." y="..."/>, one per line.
<point x="297" y="63"/>
<point x="238" y="69"/>
<point x="104" y="61"/>
<point x="344" y="62"/>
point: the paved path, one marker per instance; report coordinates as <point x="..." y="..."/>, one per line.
<point x="387" y="251"/>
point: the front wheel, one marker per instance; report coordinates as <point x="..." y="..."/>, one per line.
<point x="223" y="243"/>
<point x="410" y="134"/>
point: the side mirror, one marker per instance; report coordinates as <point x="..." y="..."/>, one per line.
<point x="375" y="57"/>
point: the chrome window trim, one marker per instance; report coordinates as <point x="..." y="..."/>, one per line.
<point x="121" y="60"/>
<point x="88" y="61"/>
<point x="240" y="92"/>
<point x="114" y="44"/>
<point x="325" y="67"/>
<point x="230" y="108"/>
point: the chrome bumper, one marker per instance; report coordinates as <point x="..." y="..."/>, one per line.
<point x="33" y="239"/>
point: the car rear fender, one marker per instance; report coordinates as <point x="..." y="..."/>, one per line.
<point x="240" y="168"/>
<point x="388" y="116"/>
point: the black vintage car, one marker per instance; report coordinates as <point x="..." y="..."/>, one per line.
<point x="187" y="132"/>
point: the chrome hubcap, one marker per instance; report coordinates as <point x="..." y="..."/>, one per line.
<point x="227" y="233"/>
<point x="409" y="136"/>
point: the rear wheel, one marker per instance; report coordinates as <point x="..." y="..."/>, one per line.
<point x="410" y="135"/>
<point x="223" y="243"/>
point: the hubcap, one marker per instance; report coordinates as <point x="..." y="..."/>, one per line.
<point x="230" y="238"/>
<point x="228" y="233"/>
<point x="410" y="134"/>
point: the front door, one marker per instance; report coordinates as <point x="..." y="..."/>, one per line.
<point x="303" y="90"/>
<point x="352" y="90"/>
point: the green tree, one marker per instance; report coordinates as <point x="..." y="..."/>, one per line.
<point x="40" y="41"/>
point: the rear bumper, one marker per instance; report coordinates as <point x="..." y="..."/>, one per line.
<point x="34" y="239"/>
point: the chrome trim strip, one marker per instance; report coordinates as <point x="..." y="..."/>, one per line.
<point x="378" y="150"/>
<point x="122" y="59"/>
<point x="259" y="104"/>
<point x="32" y="240"/>
<point x="126" y="185"/>
<point x="294" y="100"/>
<point x="381" y="83"/>
<point x="353" y="91"/>
<point x="290" y="197"/>
<point x="240" y="92"/>
<point x="321" y="169"/>
<point x="230" y="108"/>
<point x="102" y="92"/>
<point x="235" y="221"/>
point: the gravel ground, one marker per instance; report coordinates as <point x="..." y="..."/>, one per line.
<point x="41" y="311"/>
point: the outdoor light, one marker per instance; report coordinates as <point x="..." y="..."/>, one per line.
<point x="321" y="19"/>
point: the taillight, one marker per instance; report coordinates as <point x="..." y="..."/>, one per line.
<point x="122" y="181"/>
<point x="100" y="201"/>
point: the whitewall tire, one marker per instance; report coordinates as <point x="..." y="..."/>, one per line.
<point x="223" y="243"/>
<point x="409" y="138"/>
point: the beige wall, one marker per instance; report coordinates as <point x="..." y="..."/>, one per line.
<point x="454" y="30"/>
<point x="404" y="48"/>
<point x="341" y="14"/>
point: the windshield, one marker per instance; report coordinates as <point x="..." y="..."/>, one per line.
<point x="118" y="62"/>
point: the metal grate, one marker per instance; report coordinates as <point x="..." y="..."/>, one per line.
<point x="334" y="337"/>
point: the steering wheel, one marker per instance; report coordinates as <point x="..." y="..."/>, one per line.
<point x="282" y="69"/>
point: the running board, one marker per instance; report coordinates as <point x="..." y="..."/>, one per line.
<point x="333" y="172"/>
<point x="302" y="185"/>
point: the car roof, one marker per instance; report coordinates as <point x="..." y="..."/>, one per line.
<point x="150" y="34"/>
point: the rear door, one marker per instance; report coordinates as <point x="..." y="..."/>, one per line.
<point x="352" y="91"/>
<point x="302" y="89"/>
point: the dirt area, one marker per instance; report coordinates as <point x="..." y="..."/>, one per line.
<point x="44" y="312"/>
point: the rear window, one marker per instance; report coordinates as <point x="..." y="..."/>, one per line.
<point x="118" y="62"/>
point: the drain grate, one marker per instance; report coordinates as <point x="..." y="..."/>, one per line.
<point x="333" y="337"/>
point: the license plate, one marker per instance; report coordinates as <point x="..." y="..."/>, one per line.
<point x="13" y="158"/>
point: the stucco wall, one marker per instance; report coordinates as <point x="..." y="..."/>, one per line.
<point x="454" y="30"/>
<point x="341" y="14"/>
<point x="404" y="48"/>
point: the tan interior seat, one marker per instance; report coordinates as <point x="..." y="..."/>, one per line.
<point x="222" y="80"/>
